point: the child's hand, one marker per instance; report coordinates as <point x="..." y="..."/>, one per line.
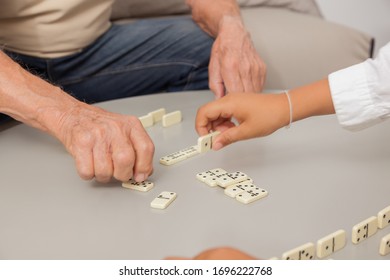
<point x="257" y="115"/>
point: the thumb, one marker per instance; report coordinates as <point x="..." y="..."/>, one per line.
<point x="228" y="137"/>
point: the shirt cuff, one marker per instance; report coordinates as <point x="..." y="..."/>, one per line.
<point x="352" y="100"/>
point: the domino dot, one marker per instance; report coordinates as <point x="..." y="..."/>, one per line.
<point x="163" y="200"/>
<point x="384" y="217"/>
<point x="384" y="247"/>
<point x="330" y="244"/>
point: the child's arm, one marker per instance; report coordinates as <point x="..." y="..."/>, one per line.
<point x="261" y="114"/>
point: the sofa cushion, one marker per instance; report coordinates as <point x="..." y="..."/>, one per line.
<point x="302" y="6"/>
<point x="299" y="49"/>
<point x="150" y="8"/>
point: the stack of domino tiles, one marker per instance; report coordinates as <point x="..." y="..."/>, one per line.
<point x="156" y="116"/>
<point x="236" y="184"/>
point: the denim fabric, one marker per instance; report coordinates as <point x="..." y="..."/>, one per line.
<point x="142" y="57"/>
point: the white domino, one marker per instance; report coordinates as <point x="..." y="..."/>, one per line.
<point x="251" y="195"/>
<point x="384" y="218"/>
<point x="173" y="158"/>
<point x="212" y="181"/>
<point x="142" y="186"/>
<point x="209" y="177"/>
<point x="147" y="121"/>
<point x="158" y="114"/>
<point x="190" y="152"/>
<point x="331" y="243"/>
<point x="163" y="200"/>
<point x="179" y="156"/>
<point x="231" y="178"/>
<point x="384" y="247"/>
<point x="364" y="229"/>
<point x="171" y="118"/>
<point x="205" y="142"/>
<point x="238" y="188"/>
<point x="304" y="252"/>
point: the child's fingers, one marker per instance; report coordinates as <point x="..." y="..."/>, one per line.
<point x="211" y="112"/>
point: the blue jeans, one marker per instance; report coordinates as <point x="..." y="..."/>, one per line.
<point x="142" y="57"/>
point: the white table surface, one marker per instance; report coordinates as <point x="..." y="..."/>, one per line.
<point x="320" y="179"/>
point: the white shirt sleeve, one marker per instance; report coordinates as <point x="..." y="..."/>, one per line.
<point x="361" y="93"/>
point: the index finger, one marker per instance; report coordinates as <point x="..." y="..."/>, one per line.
<point x="210" y="112"/>
<point x="231" y="76"/>
<point x="144" y="151"/>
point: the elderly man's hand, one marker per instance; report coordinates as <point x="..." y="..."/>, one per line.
<point x="235" y="65"/>
<point x="105" y="144"/>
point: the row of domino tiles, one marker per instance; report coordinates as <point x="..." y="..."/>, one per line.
<point x="337" y="240"/>
<point x="238" y="185"/>
<point x="158" y="115"/>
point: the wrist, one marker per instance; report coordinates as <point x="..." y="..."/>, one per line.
<point x="231" y="23"/>
<point x="290" y="109"/>
<point x="50" y="115"/>
<point x="286" y="112"/>
<point x="311" y="100"/>
<point x="210" y="15"/>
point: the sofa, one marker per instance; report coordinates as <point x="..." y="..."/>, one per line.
<point x="298" y="45"/>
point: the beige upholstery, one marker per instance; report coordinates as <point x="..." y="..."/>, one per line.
<point x="300" y="49"/>
<point x="150" y="8"/>
<point x="296" y="43"/>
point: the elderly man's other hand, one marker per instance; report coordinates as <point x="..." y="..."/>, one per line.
<point x="235" y="65"/>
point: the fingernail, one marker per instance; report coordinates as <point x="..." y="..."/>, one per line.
<point x="140" y="177"/>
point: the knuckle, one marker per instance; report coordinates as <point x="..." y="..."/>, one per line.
<point x="124" y="158"/>
<point x="200" y="111"/>
<point x="84" y="139"/>
<point x="228" y="139"/>
<point x="246" y="69"/>
<point x="133" y="121"/>
<point x="148" y="149"/>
